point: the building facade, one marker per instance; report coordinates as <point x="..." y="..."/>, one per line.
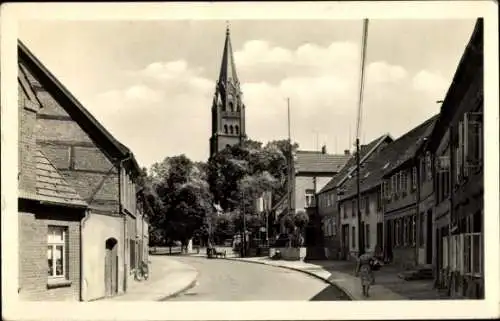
<point x="328" y="207"/>
<point x="49" y="214"/>
<point x="103" y="173"/>
<point x="402" y="184"/>
<point x="228" y="110"/>
<point x="456" y="147"/>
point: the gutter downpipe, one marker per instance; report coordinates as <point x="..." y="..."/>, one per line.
<point x="83" y="280"/>
<point x="120" y="209"/>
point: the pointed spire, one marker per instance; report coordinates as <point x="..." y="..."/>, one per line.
<point x="228" y="67"/>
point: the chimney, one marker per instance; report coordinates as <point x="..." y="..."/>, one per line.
<point x="323" y="149"/>
<point x="347" y="152"/>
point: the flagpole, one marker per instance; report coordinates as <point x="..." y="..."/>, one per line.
<point x="361" y="245"/>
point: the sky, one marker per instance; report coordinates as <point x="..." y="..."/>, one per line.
<point x="151" y="83"/>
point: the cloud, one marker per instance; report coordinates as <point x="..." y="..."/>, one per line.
<point x="171" y="101"/>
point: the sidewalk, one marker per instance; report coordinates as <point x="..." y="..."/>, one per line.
<point x="388" y="286"/>
<point x="168" y="277"/>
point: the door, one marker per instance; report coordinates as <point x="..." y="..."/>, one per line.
<point x="429" y="241"/>
<point x="380" y="236"/>
<point x="111" y="267"/>
<point x="389" y="239"/>
<point x="345" y="241"/>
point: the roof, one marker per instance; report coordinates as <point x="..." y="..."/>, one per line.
<point x="469" y="62"/>
<point x="317" y="162"/>
<point x="73" y="107"/>
<point x="365" y="152"/>
<point x="389" y="159"/>
<point x="228" y="67"/>
<point x="51" y="186"/>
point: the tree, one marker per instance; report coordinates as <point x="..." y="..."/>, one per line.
<point x="182" y="198"/>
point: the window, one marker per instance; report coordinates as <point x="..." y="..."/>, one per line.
<point x="473" y="142"/>
<point x="393" y="185"/>
<point x="309" y="198"/>
<point x="367" y="205"/>
<point x="353" y="237"/>
<point x="421" y="230"/>
<point x="225" y="129"/>
<point x="414" y="178"/>
<point x="413" y="230"/>
<point x="231" y="106"/>
<point x="56" y="252"/>
<point x="367" y="235"/>
<point x="342" y="211"/>
<point x="236" y="130"/>
<point x="404" y="182"/>
<point x="423" y="168"/>
<point x="442" y="177"/>
<point x="231" y="130"/>
<point x="459" y="154"/>
<point x="428" y="163"/>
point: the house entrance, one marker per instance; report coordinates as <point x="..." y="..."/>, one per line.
<point x="111" y="267"/>
<point x="428" y="256"/>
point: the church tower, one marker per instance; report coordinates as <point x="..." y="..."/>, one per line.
<point x="228" y="111"/>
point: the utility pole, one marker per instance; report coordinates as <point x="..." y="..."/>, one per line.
<point x="361" y="245"/>
<point x="290" y="158"/>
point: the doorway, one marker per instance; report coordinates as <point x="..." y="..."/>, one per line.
<point x="345" y="241"/>
<point x="111" y="267"/>
<point x="429" y="241"/>
<point x="389" y="239"/>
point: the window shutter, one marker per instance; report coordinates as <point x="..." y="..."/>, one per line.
<point x="459" y="153"/>
<point x="466" y="144"/>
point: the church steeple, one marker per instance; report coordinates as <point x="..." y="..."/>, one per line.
<point x="228" y="110"/>
<point x="228" y="67"/>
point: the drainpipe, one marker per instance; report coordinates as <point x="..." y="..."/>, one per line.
<point x="120" y="206"/>
<point x="83" y="280"/>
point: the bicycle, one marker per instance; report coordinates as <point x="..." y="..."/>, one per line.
<point x="142" y="273"/>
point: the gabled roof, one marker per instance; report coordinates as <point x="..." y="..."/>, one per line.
<point x="113" y="148"/>
<point x="389" y="159"/>
<point x="366" y="151"/>
<point x="51" y="186"/>
<point x="317" y="162"/>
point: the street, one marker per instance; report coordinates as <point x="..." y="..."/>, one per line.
<point x="225" y="280"/>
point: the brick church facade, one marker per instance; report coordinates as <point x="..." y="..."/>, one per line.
<point x="228" y="110"/>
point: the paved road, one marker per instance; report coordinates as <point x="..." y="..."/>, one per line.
<point x="225" y="280"/>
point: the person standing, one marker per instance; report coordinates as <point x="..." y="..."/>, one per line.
<point x="364" y="269"/>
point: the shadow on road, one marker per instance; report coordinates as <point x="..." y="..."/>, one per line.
<point x="331" y="293"/>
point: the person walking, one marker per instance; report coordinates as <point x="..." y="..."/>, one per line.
<point x="365" y="266"/>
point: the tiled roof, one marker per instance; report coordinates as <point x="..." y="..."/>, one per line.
<point x="365" y="152"/>
<point x="389" y="158"/>
<point x="317" y="162"/>
<point x="51" y="185"/>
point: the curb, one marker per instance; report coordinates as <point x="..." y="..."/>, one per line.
<point x="341" y="288"/>
<point x="189" y="286"/>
